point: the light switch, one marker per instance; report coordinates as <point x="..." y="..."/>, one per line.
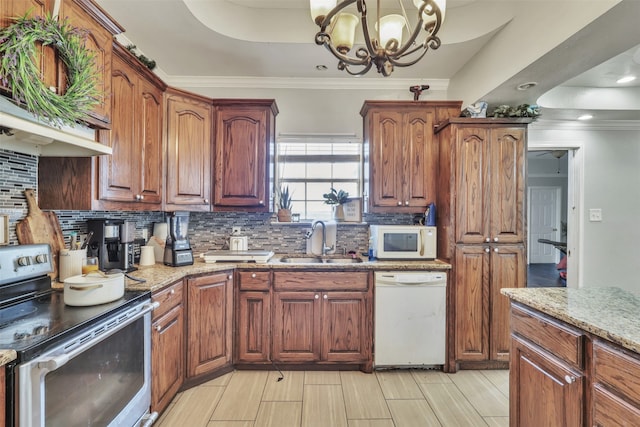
<point x="595" y="215"/>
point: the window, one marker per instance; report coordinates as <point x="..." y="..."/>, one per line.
<point x="312" y="165"/>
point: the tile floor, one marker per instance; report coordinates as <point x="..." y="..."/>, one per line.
<point x="399" y="398"/>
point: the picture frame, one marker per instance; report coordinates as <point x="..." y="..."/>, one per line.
<point x="353" y="210"/>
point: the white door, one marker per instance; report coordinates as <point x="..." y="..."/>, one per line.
<point x="544" y="223"/>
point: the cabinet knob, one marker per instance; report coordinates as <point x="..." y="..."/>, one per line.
<point x="495" y="239"/>
<point x="206" y="201"/>
<point x="317" y="296"/>
<point x="325" y="296"/>
<point x="399" y="203"/>
<point x="570" y="379"/>
<point x="137" y="197"/>
<point x="172" y="291"/>
<point x="253" y="275"/>
<point x="261" y="202"/>
<point x="158" y="328"/>
<point x="496" y="250"/>
<point x="487" y="240"/>
<point x="406" y="203"/>
<point x="229" y="277"/>
<point x="486" y="250"/>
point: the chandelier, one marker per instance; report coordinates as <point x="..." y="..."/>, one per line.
<point x="383" y="47"/>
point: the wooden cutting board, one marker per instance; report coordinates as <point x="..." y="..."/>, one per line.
<point x="40" y="227"/>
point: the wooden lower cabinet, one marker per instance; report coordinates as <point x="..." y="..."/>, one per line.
<point x="324" y="325"/>
<point x="209" y="323"/>
<point x="253" y="317"/>
<point x="561" y="375"/>
<point x="481" y="312"/>
<point x="543" y="390"/>
<point x="616" y="386"/>
<point x="167" y="346"/>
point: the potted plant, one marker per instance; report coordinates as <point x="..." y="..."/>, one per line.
<point x="284" y="204"/>
<point x="336" y="198"/>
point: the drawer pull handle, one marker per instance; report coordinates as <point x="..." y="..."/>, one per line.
<point x="569" y="379"/>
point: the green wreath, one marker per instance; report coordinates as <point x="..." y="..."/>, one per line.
<point x="20" y="73"/>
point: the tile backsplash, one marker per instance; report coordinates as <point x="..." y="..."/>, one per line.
<point x="207" y="230"/>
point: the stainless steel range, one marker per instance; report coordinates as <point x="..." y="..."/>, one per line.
<point x="75" y="365"/>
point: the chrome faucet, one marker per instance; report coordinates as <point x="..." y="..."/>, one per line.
<point x="325" y="248"/>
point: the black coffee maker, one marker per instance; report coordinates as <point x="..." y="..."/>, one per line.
<point x="112" y="243"/>
<point x="177" y="250"/>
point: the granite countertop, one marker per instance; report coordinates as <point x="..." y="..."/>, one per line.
<point x="609" y="313"/>
<point x="158" y="276"/>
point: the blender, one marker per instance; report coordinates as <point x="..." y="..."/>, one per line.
<point x="177" y="250"/>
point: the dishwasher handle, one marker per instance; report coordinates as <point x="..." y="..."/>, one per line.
<point x="416" y="278"/>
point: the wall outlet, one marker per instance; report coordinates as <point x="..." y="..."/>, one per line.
<point x="595" y="215"/>
<point x="236" y="230"/>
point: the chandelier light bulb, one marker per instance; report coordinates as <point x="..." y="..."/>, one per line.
<point x="391" y="29"/>
<point x="320" y="9"/>
<point x="344" y="32"/>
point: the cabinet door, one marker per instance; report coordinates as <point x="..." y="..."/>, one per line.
<point x="419" y="160"/>
<point x="167" y="357"/>
<point x="99" y="41"/>
<point x="120" y="172"/>
<point x="209" y="332"/>
<point x="253" y="331"/>
<point x="508" y="182"/>
<point x="296" y="326"/>
<point x="472" y="174"/>
<point x="611" y="410"/>
<point x="188" y="182"/>
<point x="150" y="134"/>
<point x="543" y="390"/>
<point x="471" y="303"/>
<point x="345" y="336"/>
<point x="386" y="160"/>
<point x="241" y="158"/>
<point x="508" y="270"/>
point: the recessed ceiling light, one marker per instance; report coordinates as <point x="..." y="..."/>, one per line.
<point x="526" y="86"/>
<point x="321" y="67"/>
<point x="585" y="117"/>
<point x="625" y="79"/>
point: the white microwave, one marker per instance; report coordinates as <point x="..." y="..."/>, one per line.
<point x="403" y="241"/>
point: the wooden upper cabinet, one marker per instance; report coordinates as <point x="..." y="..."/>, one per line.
<point x="133" y="173"/>
<point x="85" y="14"/>
<point x="402" y="153"/>
<point x="244" y="142"/>
<point x="490" y="183"/>
<point x="189" y="158"/>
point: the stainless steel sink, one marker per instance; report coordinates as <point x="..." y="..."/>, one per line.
<point x="301" y="260"/>
<point x="343" y="260"/>
<point x="318" y="260"/>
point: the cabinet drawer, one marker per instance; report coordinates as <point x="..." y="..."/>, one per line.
<point x="617" y="370"/>
<point x="562" y="341"/>
<point x="609" y="410"/>
<point x="254" y="280"/>
<point x="168" y="298"/>
<point x="328" y="280"/>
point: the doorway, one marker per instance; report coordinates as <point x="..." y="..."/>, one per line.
<point x="554" y="202"/>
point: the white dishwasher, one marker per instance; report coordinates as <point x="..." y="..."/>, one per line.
<point x="410" y="319"/>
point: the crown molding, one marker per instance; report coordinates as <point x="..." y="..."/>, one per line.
<point x="608" y="125"/>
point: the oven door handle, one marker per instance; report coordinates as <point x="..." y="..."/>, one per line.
<point x="54" y="363"/>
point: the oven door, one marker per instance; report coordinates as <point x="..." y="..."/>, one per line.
<point x="101" y="377"/>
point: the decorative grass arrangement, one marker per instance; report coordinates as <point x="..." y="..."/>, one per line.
<point x="20" y="73"/>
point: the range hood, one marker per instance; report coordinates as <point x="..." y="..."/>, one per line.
<point x="22" y="132"/>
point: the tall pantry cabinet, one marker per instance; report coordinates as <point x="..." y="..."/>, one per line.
<point x="481" y="232"/>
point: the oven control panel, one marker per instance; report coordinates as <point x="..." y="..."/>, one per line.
<point x="22" y="262"/>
